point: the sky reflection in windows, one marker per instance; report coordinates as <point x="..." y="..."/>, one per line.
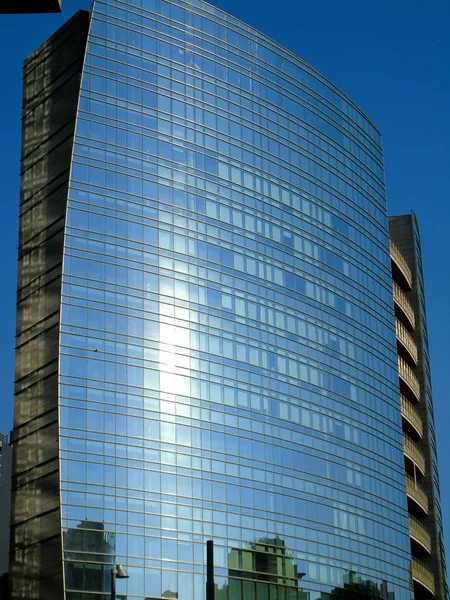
<point x="227" y="349"/>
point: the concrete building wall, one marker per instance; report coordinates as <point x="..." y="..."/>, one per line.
<point x="428" y="556"/>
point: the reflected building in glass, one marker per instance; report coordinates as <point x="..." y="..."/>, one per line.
<point x="206" y="347"/>
<point x="262" y="569"/>
<point x="90" y="553"/>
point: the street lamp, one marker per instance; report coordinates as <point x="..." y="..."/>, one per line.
<point x="118" y="572"/>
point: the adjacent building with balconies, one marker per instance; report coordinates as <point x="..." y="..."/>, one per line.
<point x="428" y="569"/>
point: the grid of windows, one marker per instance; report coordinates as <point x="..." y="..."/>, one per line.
<point x="227" y="360"/>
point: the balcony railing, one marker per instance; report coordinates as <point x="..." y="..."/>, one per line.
<point x="412" y="452"/>
<point x="410" y="414"/>
<point x="419" y="533"/>
<point x="401" y="263"/>
<point x="416" y="493"/>
<point x="406" y="340"/>
<point x="422" y="574"/>
<point x="407" y="375"/>
<point x="404" y="304"/>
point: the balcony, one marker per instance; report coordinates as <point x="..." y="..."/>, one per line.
<point x="419" y="534"/>
<point x="403" y="305"/>
<point x="412" y="452"/>
<point x="407" y="345"/>
<point x="400" y="269"/>
<point x="422" y="575"/>
<point x="416" y="495"/>
<point x="412" y="420"/>
<point x="408" y="378"/>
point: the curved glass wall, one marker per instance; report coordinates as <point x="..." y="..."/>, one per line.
<point x="227" y="358"/>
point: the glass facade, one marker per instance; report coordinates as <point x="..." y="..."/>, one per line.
<point x="227" y="363"/>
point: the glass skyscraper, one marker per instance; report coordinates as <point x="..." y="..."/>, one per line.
<point x="206" y="346"/>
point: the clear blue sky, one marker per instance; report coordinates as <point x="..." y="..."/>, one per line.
<point x="392" y="57"/>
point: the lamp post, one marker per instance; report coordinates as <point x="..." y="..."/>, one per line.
<point x="210" y="589"/>
<point x="118" y="572"/>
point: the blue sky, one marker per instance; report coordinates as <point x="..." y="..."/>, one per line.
<point x="391" y="57"/>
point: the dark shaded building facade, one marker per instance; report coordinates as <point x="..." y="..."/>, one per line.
<point x="51" y="79"/>
<point x="5" y="509"/>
